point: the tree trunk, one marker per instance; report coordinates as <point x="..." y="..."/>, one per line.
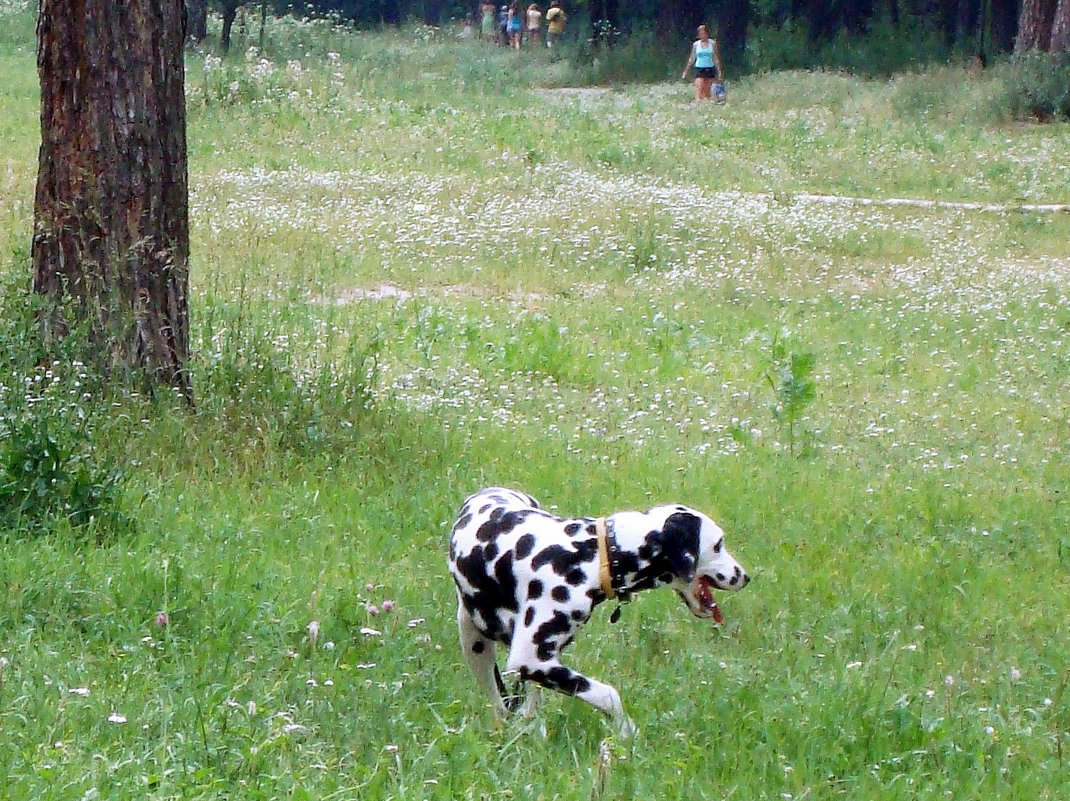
<point x="732" y="22"/>
<point x="1034" y="26"/>
<point x="197" y="25"/>
<point x="676" y="17"/>
<point x="1060" y="30"/>
<point x="230" y="12"/>
<point x="111" y="226"/>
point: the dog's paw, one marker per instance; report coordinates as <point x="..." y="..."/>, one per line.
<point x="628" y="729"/>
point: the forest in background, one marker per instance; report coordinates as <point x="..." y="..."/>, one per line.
<point x="755" y="34"/>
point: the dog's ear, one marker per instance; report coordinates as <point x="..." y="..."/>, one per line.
<point x="679" y="540"/>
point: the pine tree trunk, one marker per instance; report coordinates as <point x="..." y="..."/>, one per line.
<point x="111" y="227"/>
<point x="1034" y="26"/>
<point x="1060" y="30"/>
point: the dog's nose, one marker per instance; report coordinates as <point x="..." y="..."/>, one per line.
<point x="739" y="578"/>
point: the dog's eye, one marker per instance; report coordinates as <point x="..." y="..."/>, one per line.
<point x="717" y="548"/>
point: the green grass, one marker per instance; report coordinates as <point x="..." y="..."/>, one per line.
<point x="421" y="267"/>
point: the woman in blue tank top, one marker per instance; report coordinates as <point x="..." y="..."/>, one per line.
<point x="706" y="59"/>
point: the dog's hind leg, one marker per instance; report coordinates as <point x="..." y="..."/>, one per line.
<point x="480" y="654"/>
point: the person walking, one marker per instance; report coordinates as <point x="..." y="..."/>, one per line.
<point x="534" y="26"/>
<point x="555" y="23"/>
<point x="487" y="13"/>
<point x="514" y="25"/>
<point x="705" y="57"/>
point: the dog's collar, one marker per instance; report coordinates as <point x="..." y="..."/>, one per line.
<point x="609" y="576"/>
<point x="605" y="570"/>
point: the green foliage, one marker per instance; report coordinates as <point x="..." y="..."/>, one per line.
<point x="882" y="50"/>
<point x="53" y="473"/>
<point x="1038" y="87"/>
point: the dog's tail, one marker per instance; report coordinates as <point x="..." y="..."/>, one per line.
<point x="511" y="700"/>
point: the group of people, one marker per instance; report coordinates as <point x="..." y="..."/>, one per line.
<point x="513" y="25"/>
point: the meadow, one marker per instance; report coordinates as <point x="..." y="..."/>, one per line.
<point x="832" y="313"/>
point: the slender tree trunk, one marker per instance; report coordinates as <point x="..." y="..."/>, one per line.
<point x="1034" y="26"/>
<point x="197" y="26"/>
<point x="111" y="227"/>
<point x="230" y="13"/>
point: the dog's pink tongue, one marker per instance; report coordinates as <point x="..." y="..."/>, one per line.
<point x="705" y="596"/>
<point x="718" y="615"/>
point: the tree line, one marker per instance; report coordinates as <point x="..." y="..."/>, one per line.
<point x="980" y="28"/>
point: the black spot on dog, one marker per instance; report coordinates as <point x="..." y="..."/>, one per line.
<point x="493" y="593"/>
<point x="534" y="589"/>
<point x="529" y="616"/>
<point x="558" y="678"/>
<point x="575" y="577"/>
<point x="546" y="635"/>
<point x="490" y="551"/>
<point x="579" y="615"/>
<point x="524" y="546"/>
<point x="500" y="522"/>
<point x="479" y="647"/>
<point x="560" y="593"/>
<point x="560" y="558"/>
<point x="488" y="531"/>
<point x="462" y="521"/>
<point x="503" y="572"/>
<point x="586" y="549"/>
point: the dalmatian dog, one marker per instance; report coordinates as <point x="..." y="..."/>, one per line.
<point x="528" y="579"/>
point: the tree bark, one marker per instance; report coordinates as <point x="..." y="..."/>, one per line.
<point x="1060" y="30"/>
<point x="111" y="226"/>
<point x="1034" y="26"/>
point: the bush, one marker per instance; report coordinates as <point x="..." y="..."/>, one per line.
<point x="53" y="472"/>
<point x="1038" y="89"/>
<point x="614" y="57"/>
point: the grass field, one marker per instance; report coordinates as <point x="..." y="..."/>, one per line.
<point x="423" y="266"/>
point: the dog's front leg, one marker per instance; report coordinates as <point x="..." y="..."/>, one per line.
<point x="555" y="676"/>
